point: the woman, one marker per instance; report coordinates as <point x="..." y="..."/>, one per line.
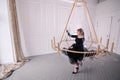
<point x="76" y="58"/>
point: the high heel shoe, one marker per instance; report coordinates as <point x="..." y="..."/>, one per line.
<point x="74" y="72"/>
<point x="77" y="69"/>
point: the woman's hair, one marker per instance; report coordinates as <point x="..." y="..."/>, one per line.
<point x="81" y="31"/>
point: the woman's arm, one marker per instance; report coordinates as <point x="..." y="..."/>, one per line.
<point x="74" y="36"/>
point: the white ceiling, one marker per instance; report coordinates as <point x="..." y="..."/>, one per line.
<point x="63" y="2"/>
<point x="89" y="1"/>
<point x="71" y="1"/>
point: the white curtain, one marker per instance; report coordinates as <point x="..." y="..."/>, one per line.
<point x="15" y="30"/>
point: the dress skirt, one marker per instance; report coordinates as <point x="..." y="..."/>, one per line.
<point x="75" y="57"/>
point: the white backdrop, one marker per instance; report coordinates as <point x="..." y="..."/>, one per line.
<point x="6" y="48"/>
<point x="40" y="20"/>
<point x="108" y="22"/>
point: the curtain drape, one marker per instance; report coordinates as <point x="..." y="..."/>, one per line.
<point x="15" y="30"/>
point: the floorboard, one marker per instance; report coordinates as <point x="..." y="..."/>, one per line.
<point x="57" y="67"/>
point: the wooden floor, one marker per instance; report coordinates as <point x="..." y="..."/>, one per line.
<point x="57" y="67"/>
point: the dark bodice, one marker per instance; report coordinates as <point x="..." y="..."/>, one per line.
<point x="78" y="43"/>
<point x="78" y="46"/>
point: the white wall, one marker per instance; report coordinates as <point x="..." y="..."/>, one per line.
<point x="6" y="53"/>
<point x="108" y="22"/>
<point x="40" y="20"/>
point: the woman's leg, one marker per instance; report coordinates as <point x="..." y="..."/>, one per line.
<point x="80" y="62"/>
<point x="80" y="59"/>
<point x="76" y="68"/>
